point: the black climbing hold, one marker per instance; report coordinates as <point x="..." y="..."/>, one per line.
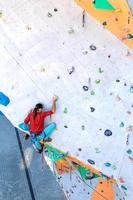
<point x="85" y="88"/>
<point x="58" y="77"/>
<point x="83" y="127"/>
<point x="92" y="109"/>
<point x="59" y="177"/>
<point x="93" y="47"/>
<point x="55" y="9"/>
<point x="49" y="14"/>
<point x="66" y="126"/>
<point x="104" y="23"/>
<point x="108" y="132"/>
<point x="79" y="149"/>
<point x="117" y="81"/>
<point x="75" y="164"/>
<point x="71" y="191"/>
<point x="125" y="84"/>
<point x="109" y="56"/>
<point x="91" y="162"/>
<point x="71" y="70"/>
<point x="85" y="52"/>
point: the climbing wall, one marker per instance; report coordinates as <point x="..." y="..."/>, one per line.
<point x="57" y="48"/>
<point x="116" y="16"/>
<point x="130" y="2"/>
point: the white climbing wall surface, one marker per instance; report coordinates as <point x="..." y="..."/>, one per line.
<point x="44" y="50"/>
<point x="130" y="3"/>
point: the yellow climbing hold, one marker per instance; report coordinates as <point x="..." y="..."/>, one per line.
<point x="1" y="14"/>
<point x="42" y="69"/>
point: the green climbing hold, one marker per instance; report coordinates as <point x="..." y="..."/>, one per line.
<point x="103" y="4"/>
<point x="65" y="110"/>
<point x="86" y="174"/>
<point x="92" y="92"/>
<point x="55" y="154"/>
<point x="100" y="70"/>
<point x="97" y="81"/>
<point x="125" y="194"/>
<point x="97" y="150"/>
<point x="114" y="167"/>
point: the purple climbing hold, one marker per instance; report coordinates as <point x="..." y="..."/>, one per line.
<point x="4" y="100"/>
<point x="108" y="132"/>
<point x="91" y="162"/>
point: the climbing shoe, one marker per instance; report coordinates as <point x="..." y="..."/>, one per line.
<point x="38" y="147"/>
<point x="48" y="140"/>
<point x="26" y="137"/>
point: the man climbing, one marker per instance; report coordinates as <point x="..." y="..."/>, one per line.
<point x="38" y="132"/>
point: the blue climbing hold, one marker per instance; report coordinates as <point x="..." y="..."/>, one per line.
<point x="123" y="187"/>
<point x="129" y="151"/>
<point x="121" y="124"/>
<point x="130" y="36"/>
<point x="24" y="126"/>
<point x="107" y="164"/>
<point x="131" y="89"/>
<point x="4" y="100"/>
<point x="108" y="132"/>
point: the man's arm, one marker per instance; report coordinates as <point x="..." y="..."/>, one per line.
<point x="54" y="104"/>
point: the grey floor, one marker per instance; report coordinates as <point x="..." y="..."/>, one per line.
<point x="13" y="178"/>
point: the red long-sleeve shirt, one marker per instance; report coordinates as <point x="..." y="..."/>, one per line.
<point x="37" y="124"/>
